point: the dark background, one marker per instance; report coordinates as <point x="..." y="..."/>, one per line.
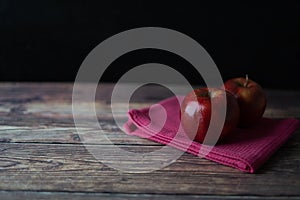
<point x="47" y="40"/>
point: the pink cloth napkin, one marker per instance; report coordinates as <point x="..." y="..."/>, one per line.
<point x="246" y="151"/>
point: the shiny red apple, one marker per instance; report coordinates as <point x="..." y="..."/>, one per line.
<point x="251" y="98"/>
<point x="196" y="113"/>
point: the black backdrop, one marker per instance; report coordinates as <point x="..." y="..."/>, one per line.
<point x="47" y="40"/>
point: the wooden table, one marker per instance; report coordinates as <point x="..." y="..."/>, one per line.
<point x="41" y="155"/>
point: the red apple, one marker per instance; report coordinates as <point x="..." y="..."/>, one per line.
<point x="251" y="99"/>
<point x="196" y="113"/>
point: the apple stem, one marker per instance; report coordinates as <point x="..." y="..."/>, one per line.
<point x="246" y="83"/>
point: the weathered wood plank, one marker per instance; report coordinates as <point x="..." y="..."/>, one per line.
<point x="56" y="98"/>
<point x="65" y="135"/>
<point x="17" y="93"/>
<point x="62" y="130"/>
<point x="54" y="167"/>
<point x="21" y="195"/>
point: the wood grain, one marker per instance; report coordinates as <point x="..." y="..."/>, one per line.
<point x="21" y="195"/>
<point x="41" y="151"/>
<point x="71" y="167"/>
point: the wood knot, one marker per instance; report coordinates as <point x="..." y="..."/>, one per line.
<point x="76" y="137"/>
